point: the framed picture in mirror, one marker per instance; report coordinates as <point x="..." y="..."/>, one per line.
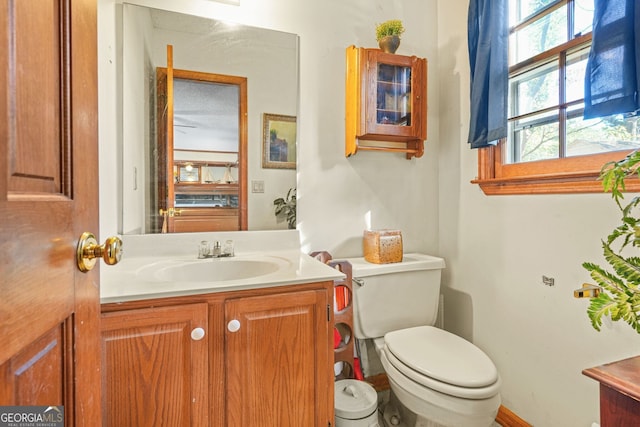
<point x="189" y="173"/>
<point x="279" y="142"/>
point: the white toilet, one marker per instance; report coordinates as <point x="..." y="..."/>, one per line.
<point x="440" y="378"/>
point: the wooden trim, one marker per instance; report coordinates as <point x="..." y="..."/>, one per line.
<point x="87" y="405"/>
<point x="570" y="175"/>
<point x="505" y="417"/>
<point x="169" y="123"/>
<point x="243" y="156"/>
<point x="564" y="183"/>
<point x="535" y="16"/>
<point x="352" y="100"/>
<point x="159" y="203"/>
<point x="551" y="55"/>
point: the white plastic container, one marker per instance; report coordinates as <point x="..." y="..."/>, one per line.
<point x="356" y="404"/>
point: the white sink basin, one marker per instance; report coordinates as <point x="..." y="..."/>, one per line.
<point x="211" y="270"/>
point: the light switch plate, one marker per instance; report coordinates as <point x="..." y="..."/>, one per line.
<point x="257" y="186"/>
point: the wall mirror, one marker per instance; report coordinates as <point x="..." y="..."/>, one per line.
<point x="267" y="59"/>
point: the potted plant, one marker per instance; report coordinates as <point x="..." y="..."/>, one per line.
<point x="618" y="295"/>
<point x="388" y="35"/>
<point x="285" y="208"/>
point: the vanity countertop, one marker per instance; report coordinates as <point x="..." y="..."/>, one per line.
<point x="140" y="273"/>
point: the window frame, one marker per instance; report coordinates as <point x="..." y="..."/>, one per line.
<point x="578" y="174"/>
<point x="564" y="175"/>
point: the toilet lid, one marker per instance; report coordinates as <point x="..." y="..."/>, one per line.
<point x="442" y="356"/>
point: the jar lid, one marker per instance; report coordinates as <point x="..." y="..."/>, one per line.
<point x="354" y="399"/>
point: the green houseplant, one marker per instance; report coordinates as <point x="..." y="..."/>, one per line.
<point x="285" y="208"/>
<point x="388" y="35"/>
<point x="619" y="296"/>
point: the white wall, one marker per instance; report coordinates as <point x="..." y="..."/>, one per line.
<point x="335" y="194"/>
<point x="496" y="248"/>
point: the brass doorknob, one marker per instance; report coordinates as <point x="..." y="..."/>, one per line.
<point x="89" y="251"/>
<point x="171" y="212"/>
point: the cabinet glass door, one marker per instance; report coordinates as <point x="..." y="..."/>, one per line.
<point x="393" y="88"/>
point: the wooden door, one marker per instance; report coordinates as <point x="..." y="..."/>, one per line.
<point x="49" y="310"/>
<point x="278" y="364"/>
<point x="197" y="219"/>
<point x="155" y="368"/>
<point x="163" y="217"/>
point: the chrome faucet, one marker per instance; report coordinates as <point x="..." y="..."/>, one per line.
<point x="216" y="250"/>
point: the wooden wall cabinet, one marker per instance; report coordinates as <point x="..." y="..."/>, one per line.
<point x="386" y="102"/>
<point x="265" y="359"/>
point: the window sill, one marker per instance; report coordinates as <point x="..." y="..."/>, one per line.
<point x="566" y="176"/>
<point x="550" y="184"/>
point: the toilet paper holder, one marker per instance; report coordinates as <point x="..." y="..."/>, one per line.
<point x="587" y="291"/>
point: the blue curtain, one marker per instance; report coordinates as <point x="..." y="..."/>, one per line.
<point x="612" y="78"/>
<point x="488" y="35"/>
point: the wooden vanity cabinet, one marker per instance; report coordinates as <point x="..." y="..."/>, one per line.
<point x="268" y="356"/>
<point x="277" y="362"/>
<point x="386" y="102"/>
<point x="154" y="372"/>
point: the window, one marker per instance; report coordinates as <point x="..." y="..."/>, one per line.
<point x="550" y="148"/>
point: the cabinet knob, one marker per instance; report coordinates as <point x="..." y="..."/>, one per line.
<point x="234" y="325"/>
<point x="197" y="334"/>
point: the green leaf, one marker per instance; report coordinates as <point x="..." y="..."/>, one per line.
<point x="620" y="296"/>
<point x="285" y="208"/>
<point x="623" y="267"/>
<point x="604" y="279"/>
<point x="598" y="308"/>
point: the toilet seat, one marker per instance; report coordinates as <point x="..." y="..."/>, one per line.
<point x="442" y="361"/>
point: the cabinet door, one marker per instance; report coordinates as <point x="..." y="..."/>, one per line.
<point x="279" y="372"/>
<point x="155" y="367"/>
<point x="396" y="98"/>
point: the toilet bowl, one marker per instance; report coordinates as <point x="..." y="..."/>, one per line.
<point x="440" y="378"/>
<point x="442" y="398"/>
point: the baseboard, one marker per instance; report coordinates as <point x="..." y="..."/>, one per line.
<point x="505" y="417"/>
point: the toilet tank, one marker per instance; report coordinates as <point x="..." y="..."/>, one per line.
<point x="388" y="297"/>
